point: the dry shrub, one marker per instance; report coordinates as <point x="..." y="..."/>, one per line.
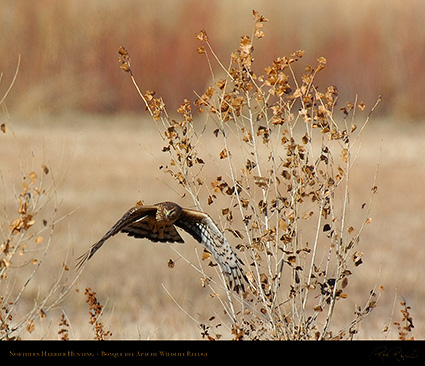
<point x="281" y="187"/>
<point x="64" y="328"/>
<point x="405" y="326"/>
<point x="95" y="312"/>
<point x="26" y="239"/>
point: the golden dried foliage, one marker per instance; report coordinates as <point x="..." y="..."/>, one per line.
<point x="285" y="159"/>
<point x="5" y="320"/>
<point x="95" y="312"/>
<point x="64" y="328"/>
<point x="405" y="326"/>
<point x="27" y="239"/>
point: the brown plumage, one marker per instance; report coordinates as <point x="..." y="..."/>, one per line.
<point x="158" y="223"/>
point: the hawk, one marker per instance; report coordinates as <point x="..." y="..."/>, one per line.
<point x="158" y="223"/>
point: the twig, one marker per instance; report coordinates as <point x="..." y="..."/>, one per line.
<point x="13" y="81"/>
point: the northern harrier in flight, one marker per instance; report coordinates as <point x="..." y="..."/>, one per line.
<point x="157" y="223"/>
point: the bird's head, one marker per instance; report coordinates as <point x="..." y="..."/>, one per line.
<point x="171" y="211"/>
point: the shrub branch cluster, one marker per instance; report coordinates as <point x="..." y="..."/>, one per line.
<point x="283" y="188"/>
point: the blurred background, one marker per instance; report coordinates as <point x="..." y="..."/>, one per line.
<point x="69" y="49"/>
<point x="74" y="110"/>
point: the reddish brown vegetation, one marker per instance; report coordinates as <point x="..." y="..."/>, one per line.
<point x="376" y="47"/>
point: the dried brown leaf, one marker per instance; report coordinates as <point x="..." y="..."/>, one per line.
<point x="224" y="154"/>
<point x="202" y="36"/>
<point x="205" y="255"/>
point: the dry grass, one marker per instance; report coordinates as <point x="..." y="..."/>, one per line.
<point x="391" y="243"/>
<point x="85" y="175"/>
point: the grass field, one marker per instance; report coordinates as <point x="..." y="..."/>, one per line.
<point x="103" y="165"/>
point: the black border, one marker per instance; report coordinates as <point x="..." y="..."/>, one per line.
<point x="373" y="352"/>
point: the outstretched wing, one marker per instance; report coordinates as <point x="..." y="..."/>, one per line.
<point x="205" y="231"/>
<point x="133" y="223"/>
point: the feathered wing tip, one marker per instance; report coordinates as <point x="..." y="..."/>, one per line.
<point x="96" y="246"/>
<point x="205" y="231"/>
<point x="235" y="276"/>
<point x="239" y="278"/>
<point x="137" y="213"/>
<point x="87" y="255"/>
<point x="231" y="266"/>
<point x="82" y="259"/>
